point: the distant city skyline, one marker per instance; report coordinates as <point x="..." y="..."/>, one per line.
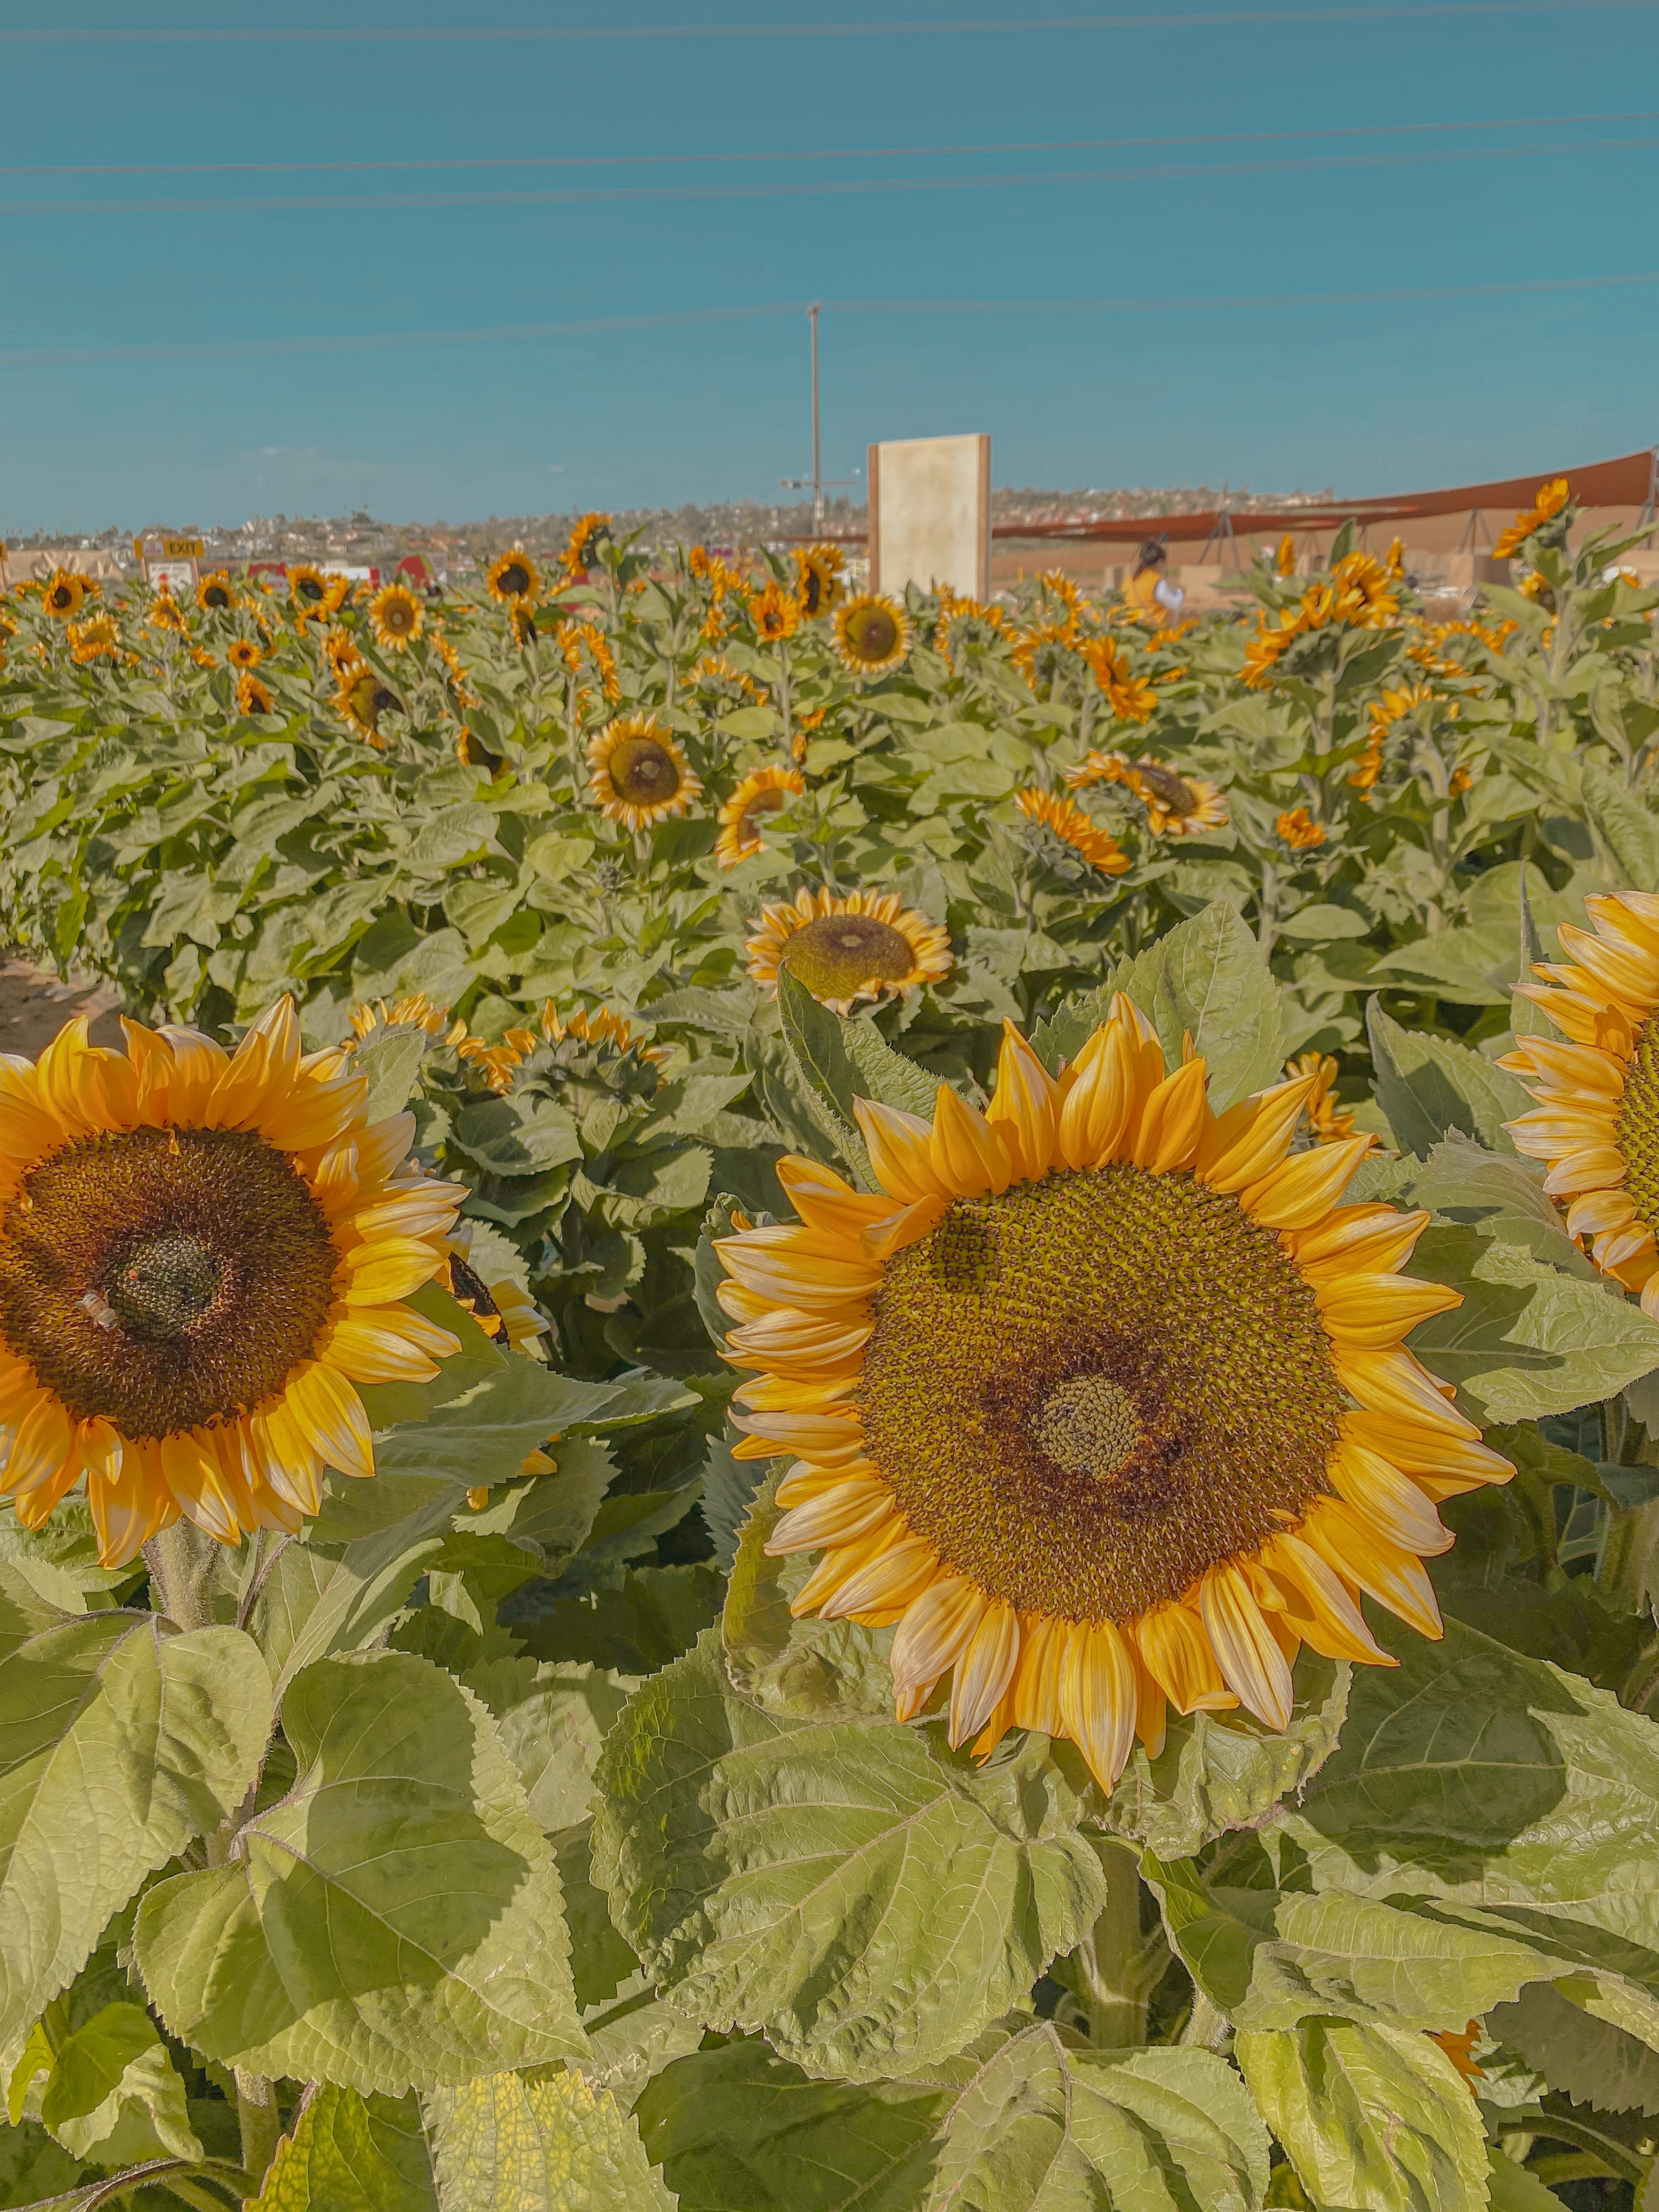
<point x="435" y="268"/>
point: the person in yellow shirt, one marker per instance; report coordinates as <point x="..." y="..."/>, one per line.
<point x="1149" y="595"/>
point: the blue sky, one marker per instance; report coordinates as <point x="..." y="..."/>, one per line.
<point x="1365" y="394"/>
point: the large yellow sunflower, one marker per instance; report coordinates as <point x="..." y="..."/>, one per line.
<point x="361" y="699"/>
<point x="765" y="791"/>
<point x="1597" y="1086"/>
<point x="308" y="589"/>
<point x="1065" y="819"/>
<point x="397" y="617"/>
<point x="215" y="594"/>
<point x="253" y="698"/>
<point x="774" y="613"/>
<point x="640" y="774"/>
<point x="845" y="949"/>
<point x="201" y="1253"/>
<point x="64" y="594"/>
<point x="96" y="638"/>
<point x="870" y="633"/>
<point x="514" y="575"/>
<point x="243" y="652"/>
<point x="1101" y="1398"/>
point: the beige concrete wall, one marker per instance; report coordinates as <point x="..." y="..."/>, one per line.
<point x="930" y="514"/>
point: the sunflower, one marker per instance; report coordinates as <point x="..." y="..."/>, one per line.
<point x="201" y="1253"/>
<point x="214" y="593"/>
<point x="579" y="543"/>
<point x="952" y="610"/>
<point x="397" y="617"/>
<point x="1100" y="1398"/>
<point x="1298" y="830"/>
<point x="1596" y="1122"/>
<point x="514" y="575"/>
<point x="414" y="1011"/>
<point x="308" y="589"/>
<point x="614" y="1032"/>
<point x="1065" y="819"/>
<point x="361" y="699"/>
<point x="1180" y="804"/>
<point x="501" y="1309"/>
<point x="870" y="633"/>
<point x="845" y="949"/>
<point x="1460" y="2049"/>
<point x="64" y="594"/>
<point x="765" y="791"/>
<point x="1130" y="698"/>
<point x="818" y="577"/>
<point x="242" y="652"/>
<point x="1284" y="559"/>
<point x="1329" y="1123"/>
<point x="1548" y="503"/>
<point x="203" y="658"/>
<point x="715" y="672"/>
<point x="340" y="651"/>
<point x="775" y="613"/>
<point x="166" y="613"/>
<point x="96" y="638"/>
<point x="640" y="773"/>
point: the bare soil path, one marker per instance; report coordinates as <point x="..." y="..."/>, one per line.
<point x="35" y="1005"/>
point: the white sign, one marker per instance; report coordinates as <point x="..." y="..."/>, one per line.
<point x="930" y="514"/>
<point x="178" y="577"/>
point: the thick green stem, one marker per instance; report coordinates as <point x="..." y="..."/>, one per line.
<point x="180" y="1562"/>
<point x="1630" y="1552"/>
<point x="260" y="2122"/>
<point x="1112" y="1958"/>
<point x="1205" y="2027"/>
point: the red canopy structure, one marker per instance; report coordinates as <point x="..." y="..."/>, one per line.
<point x="1629" y="481"/>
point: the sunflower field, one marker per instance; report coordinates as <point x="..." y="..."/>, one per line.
<point x="843" y="1405"/>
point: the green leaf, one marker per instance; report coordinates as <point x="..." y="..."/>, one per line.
<point x="1591" y="2060"/>
<point x="737" y="2126"/>
<point x="1501" y="1194"/>
<point x="1042" y="2128"/>
<point x="390" y="1059"/>
<point x="656" y="1613"/>
<point x="484" y="1436"/>
<point x="1511" y="2188"/>
<point x="118" y="1745"/>
<point x="1526" y="1341"/>
<point x="554" y="2144"/>
<point x="350" y="2154"/>
<point x="1627" y="831"/>
<point x="393" y="1920"/>
<point x="34" y="2169"/>
<point x="1206" y="977"/>
<point x="1429" y="1086"/>
<point x="1267" y="1960"/>
<point x="1375" y="2118"/>
<point x="884" y="1075"/>
<point x="553" y="1736"/>
<point x="748" y="1858"/>
<point x="812" y="1039"/>
<point x="112" y="2097"/>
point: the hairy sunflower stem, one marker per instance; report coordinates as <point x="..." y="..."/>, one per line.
<point x="260" y="2122"/>
<point x="1629" y="1558"/>
<point x="1111" y="1958"/>
<point x="1206" y="2027"/>
<point x="180" y="1562"/>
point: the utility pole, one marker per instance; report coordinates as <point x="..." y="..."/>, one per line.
<point x="817" y="478"/>
<point x="817" y="473"/>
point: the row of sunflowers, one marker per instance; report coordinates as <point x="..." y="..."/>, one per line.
<point x="845" y="1401"/>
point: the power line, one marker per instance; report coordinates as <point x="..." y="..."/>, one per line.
<point x="414" y="34"/>
<point x="807" y="153"/>
<point x="239" y="349"/>
<point x="820" y="188"/>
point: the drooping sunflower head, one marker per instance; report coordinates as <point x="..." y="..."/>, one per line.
<point x="397" y="617"/>
<point x="96" y="638"/>
<point x="844" y="949"/>
<point x="514" y="575"/>
<point x="253" y="697"/>
<point x="216" y="594"/>
<point x="340" y="651"/>
<point x="166" y="613"/>
<point x="201" y="1254"/>
<point x="1298" y="830"/>
<point x="765" y="791"/>
<point x="817" y="578"/>
<point x="64" y="594"/>
<point x="361" y="699"/>
<point x="1596" y="1123"/>
<point x="640" y="774"/>
<point x="1101" y="1398"/>
<point x="1547" y="503"/>
<point x="502" y="1309"/>
<point x="242" y="652"/>
<point x="1064" y="819"/>
<point x="1174" y="804"/>
<point x="870" y="633"/>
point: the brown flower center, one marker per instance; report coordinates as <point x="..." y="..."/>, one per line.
<point x="164" y="1279"/>
<point x="871" y="633"/>
<point x="1171" y="793"/>
<point x="1087" y="1391"/>
<point x="644" y="771"/>
<point x="515" y="579"/>
<point x="838" y="955"/>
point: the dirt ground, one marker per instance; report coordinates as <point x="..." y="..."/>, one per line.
<point x="34" y="1005"/>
